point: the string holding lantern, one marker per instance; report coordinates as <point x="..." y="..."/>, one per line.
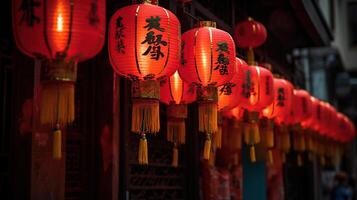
<point x="276" y="112"/>
<point x="59" y="34"/>
<point x="144" y="46"/>
<point x="176" y="94"/>
<point x="208" y="61"/>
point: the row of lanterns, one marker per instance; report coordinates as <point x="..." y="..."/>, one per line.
<point x="145" y="46"/>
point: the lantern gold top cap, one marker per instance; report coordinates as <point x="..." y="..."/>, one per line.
<point x="250" y="19"/>
<point x="207" y="24"/>
<point x="153" y="2"/>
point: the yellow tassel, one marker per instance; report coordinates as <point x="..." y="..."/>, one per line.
<point x="207" y="117"/>
<point x="270" y="138"/>
<point x="145" y="116"/>
<point x="251" y="133"/>
<point x="286" y="144"/>
<point x="299" y="160"/>
<point x="252" y="154"/>
<point x="236" y="138"/>
<point x="218" y="138"/>
<point x="57" y="103"/>
<point x="57" y="144"/>
<point x="143" y="151"/>
<point x="176" y="131"/>
<point x="255" y="132"/>
<point x="270" y="157"/>
<point x="207" y="148"/>
<point x="175" y="157"/>
<point x="212" y="158"/>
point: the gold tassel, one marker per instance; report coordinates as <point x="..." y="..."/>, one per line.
<point x="251" y="133"/>
<point x="143" y="150"/>
<point x="57" y="103"/>
<point x="145" y="116"/>
<point x="207" y="148"/>
<point x="57" y="144"/>
<point x="218" y="138"/>
<point x="251" y="137"/>
<point x="270" y="138"/>
<point x="299" y="160"/>
<point x="176" y="131"/>
<point x="212" y="158"/>
<point x="175" y="156"/>
<point x="270" y="157"/>
<point x="285" y="136"/>
<point x="252" y="154"/>
<point x="207" y="117"/>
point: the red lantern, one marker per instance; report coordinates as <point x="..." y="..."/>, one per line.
<point x="280" y="108"/>
<point x="301" y="111"/>
<point x="250" y="34"/>
<point x="176" y="94"/>
<point x="256" y="90"/>
<point x="208" y="60"/>
<point x="59" y="33"/>
<point x="277" y="111"/>
<point x="228" y="94"/>
<point x="144" y="46"/>
<point x="228" y="98"/>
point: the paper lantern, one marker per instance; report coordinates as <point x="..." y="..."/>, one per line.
<point x="228" y="94"/>
<point x="228" y="98"/>
<point x="301" y="111"/>
<point x="256" y="90"/>
<point x="250" y="34"/>
<point x="176" y="94"/>
<point x="276" y="111"/>
<point x="59" y="33"/>
<point x="208" y="61"/>
<point x="144" y="46"/>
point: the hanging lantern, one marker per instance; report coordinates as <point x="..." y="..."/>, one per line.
<point x="228" y="98"/>
<point x="256" y="90"/>
<point x="302" y="110"/>
<point x="176" y="94"/>
<point x="228" y="94"/>
<point x="60" y="34"/>
<point x="250" y="34"/>
<point x="144" y="46"/>
<point x="208" y="60"/>
<point x="277" y="111"/>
